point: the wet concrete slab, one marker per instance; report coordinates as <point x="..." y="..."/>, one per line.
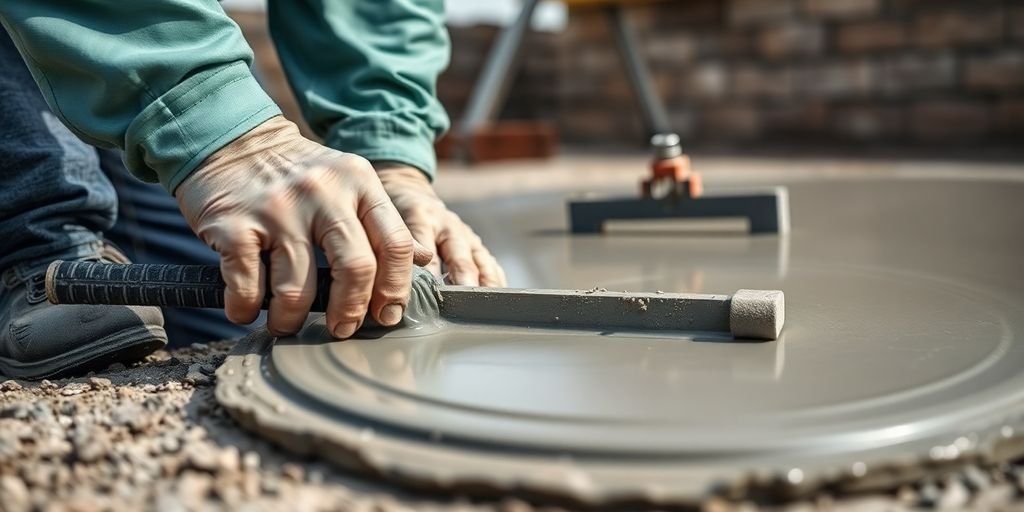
<point x="902" y="353"/>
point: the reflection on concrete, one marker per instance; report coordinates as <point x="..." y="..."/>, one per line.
<point x="554" y="371"/>
<point x="688" y="259"/>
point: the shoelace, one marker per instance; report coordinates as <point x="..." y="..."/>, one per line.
<point x="35" y="284"/>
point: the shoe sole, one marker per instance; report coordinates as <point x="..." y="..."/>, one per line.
<point x="127" y="346"/>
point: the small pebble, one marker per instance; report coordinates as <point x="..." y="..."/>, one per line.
<point x="68" y="407"/>
<point x="292" y="471"/>
<point x="228" y="460"/>
<point x="201" y="456"/>
<point x="10" y="385"/>
<point x="976" y="479"/>
<point x="907" y="495"/>
<point x="251" y="461"/>
<point x="15" y="494"/>
<point x="196" y="376"/>
<point x="955" y="495"/>
<point x="170" y="444"/>
<point x="90" y="443"/>
<point x="8" y="449"/>
<point x="75" y="388"/>
<point x="928" y="494"/>
<point x="130" y="415"/>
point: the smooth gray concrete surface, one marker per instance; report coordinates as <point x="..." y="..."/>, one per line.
<point x="903" y="344"/>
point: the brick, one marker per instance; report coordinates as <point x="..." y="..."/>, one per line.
<point x="1003" y="71"/>
<point x="684" y="122"/>
<point x="730" y="122"/>
<point x="902" y="74"/>
<point x="619" y="88"/>
<point x="868" y="122"/>
<point x="791" y="39"/>
<point x="1009" y="116"/>
<point x="1017" y="23"/>
<point x="595" y="59"/>
<point x="841" y="79"/>
<point x="506" y="140"/>
<point x="806" y="118"/>
<point x="841" y="9"/>
<point x="725" y="43"/>
<point x="588" y="25"/>
<point x="708" y="81"/>
<point x="958" y="27"/>
<point x="871" y="36"/>
<point x="600" y="124"/>
<point x="950" y="120"/>
<point x="671" y="48"/>
<point x="576" y="86"/>
<point x="757" y="82"/>
<point x="656" y="16"/>
<point x="750" y="12"/>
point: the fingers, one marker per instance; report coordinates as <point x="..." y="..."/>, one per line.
<point x="353" y="267"/>
<point x="421" y="255"/>
<point x="394" y="247"/>
<point x="423" y="234"/>
<point x="456" y="250"/>
<point x="292" y="284"/>
<point x="240" y="266"/>
<point x="491" y="273"/>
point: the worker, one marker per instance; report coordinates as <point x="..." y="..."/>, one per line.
<point x="168" y="83"/>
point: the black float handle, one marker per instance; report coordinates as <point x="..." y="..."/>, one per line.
<point x="175" y="286"/>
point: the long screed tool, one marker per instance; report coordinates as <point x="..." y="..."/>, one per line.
<point x="675" y="191"/>
<point x="750" y="314"/>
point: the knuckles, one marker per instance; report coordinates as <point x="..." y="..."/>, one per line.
<point x="291" y="298"/>
<point x="355" y="163"/>
<point x="358" y="269"/>
<point x="461" y="263"/>
<point x="248" y="296"/>
<point x="398" y="245"/>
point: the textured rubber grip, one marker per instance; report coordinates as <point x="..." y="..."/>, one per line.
<point x="175" y="286"/>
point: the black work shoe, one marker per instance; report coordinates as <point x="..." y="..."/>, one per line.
<point x="40" y="340"/>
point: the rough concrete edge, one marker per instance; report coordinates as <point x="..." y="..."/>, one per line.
<point x="433" y="470"/>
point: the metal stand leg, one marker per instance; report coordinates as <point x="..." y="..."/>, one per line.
<point x="655" y="118"/>
<point x="492" y="86"/>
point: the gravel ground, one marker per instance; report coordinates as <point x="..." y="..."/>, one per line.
<point x="152" y="436"/>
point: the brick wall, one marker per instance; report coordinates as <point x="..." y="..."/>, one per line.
<point x="923" y="72"/>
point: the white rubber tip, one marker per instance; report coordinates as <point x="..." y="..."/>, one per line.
<point x="757" y="314"/>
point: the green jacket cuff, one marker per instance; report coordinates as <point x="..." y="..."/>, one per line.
<point x="386" y="137"/>
<point x="181" y="128"/>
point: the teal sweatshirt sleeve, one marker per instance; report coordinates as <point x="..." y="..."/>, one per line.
<point x="167" y="81"/>
<point x="365" y="73"/>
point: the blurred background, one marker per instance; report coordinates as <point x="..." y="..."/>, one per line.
<point x="931" y="77"/>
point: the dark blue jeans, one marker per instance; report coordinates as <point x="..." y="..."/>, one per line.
<point x="59" y="197"/>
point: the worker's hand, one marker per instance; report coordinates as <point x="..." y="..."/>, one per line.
<point x="440" y="230"/>
<point x="274" y="190"/>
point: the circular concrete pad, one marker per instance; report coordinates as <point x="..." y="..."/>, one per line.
<point x="901" y="354"/>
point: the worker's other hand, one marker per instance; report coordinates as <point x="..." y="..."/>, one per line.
<point x="274" y="190"/>
<point x="439" y="229"/>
